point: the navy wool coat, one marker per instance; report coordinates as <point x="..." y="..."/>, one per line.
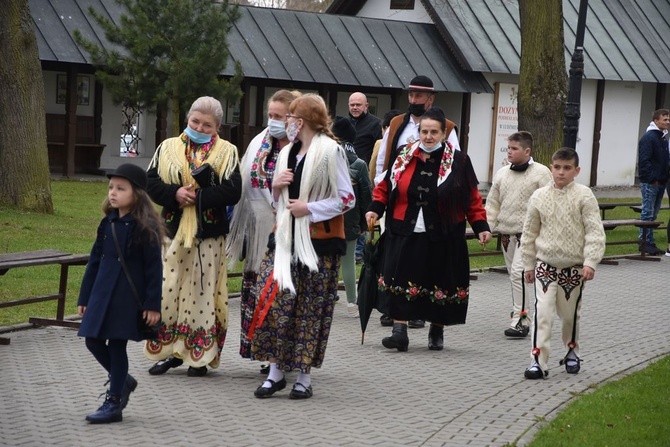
<point x="111" y="307"/>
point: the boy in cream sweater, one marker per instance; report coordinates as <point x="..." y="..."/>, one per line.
<point x="506" y="206"/>
<point x="563" y="242"/>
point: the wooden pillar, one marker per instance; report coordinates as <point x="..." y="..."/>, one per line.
<point x="161" y="124"/>
<point x="97" y="112"/>
<point x="70" y="122"/>
<point x="660" y="96"/>
<point x="464" y="128"/>
<point x="260" y="105"/>
<point x="597" y="127"/>
<point x="245" y="112"/>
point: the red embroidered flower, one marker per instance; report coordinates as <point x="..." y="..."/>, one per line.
<point x="254" y="166"/>
<point x="381" y="281"/>
<point x="413" y="291"/>
<point x="535" y="352"/>
<point x="255" y="183"/>
<point x="439" y="295"/>
<point x="462" y="293"/>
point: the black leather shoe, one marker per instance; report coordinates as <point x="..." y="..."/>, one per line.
<point x="436" y="338"/>
<point x="398" y="339"/>
<point x="416" y="324"/>
<point x="128" y="388"/>
<point x="164" y="365"/>
<point x="299" y="394"/>
<point x="263" y="393"/>
<point x="572" y="364"/>
<point x="386" y="321"/>
<point x="535" y="372"/>
<point x="517" y="332"/>
<point x="196" y="372"/>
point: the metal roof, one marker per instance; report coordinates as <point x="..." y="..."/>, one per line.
<point x="340" y="50"/>
<point x="625" y="40"/>
<point x="286" y="45"/>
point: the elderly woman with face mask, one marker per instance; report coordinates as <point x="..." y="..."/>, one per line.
<point x="253" y="217"/>
<point x="429" y="193"/>
<point x="195" y="294"/>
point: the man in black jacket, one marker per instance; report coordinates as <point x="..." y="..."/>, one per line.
<point x="653" y="162"/>
<point x="368" y="127"/>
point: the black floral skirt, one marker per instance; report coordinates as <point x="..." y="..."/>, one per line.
<point x="296" y="328"/>
<point x="425" y="279"/>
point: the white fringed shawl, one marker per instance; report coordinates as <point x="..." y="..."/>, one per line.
<point x="319" y="181"/>
<point x="253" y="218"/>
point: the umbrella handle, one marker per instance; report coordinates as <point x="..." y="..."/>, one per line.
<point x="371" y="227"/>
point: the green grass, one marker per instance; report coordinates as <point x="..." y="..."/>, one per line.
<point x="72" y="227"/>
<point x="630" y="412"/>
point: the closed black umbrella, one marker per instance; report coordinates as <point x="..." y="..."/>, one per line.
<point x="369" y="296"/>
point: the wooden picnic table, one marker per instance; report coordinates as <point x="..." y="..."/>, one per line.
<point x="36" y="258"/>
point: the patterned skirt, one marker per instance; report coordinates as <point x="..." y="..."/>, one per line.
<point x="296" y="328"/>
<point x="426" y="280"/>
<point x="194" y="305"/>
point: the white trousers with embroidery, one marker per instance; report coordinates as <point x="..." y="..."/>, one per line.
<point x="522" y="293"/>
<point x="557" y="291"/>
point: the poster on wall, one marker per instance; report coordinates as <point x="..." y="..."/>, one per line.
<point x="505" y="123"/>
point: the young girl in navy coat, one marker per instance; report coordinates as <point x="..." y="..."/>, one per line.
<point x="106" y="301"/>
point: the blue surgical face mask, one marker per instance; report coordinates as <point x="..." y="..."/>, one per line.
<point x="277" y="128"/>
<point x="197" y="137"/>
<point x="431" y="149"/>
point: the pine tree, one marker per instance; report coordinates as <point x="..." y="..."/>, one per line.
<point x="166" y="53"/>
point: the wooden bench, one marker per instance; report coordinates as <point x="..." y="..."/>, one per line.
<point x="638" y="208"/>
<point x="43" y="257"/>
<point x="646" y="226"/>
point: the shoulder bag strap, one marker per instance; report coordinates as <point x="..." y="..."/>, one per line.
<point x="125" y="267"/>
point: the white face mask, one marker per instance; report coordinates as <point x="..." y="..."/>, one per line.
<point x="277" y="128"/>
<point x="430" y="149"/>
<point x="292" y="132"/>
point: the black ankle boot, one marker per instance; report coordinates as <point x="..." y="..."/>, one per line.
<point x="436" y="338"/>
<point x="398" y="339"/>
<point x="128" y="388"/>
<point x="110" y="411"/>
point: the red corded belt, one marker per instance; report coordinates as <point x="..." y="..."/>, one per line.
<point x="265" y="300"/>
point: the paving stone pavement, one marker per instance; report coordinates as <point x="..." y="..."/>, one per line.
<point x="471" y="394"/>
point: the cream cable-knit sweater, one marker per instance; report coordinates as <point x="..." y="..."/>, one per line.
<point x="563" y="228"/>
<point x="507" y="200"/>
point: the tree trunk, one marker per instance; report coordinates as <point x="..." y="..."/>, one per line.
<point x="24" y="160"/>
<point x="542" y="78"/>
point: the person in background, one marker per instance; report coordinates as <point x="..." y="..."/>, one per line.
<point x="107" y="300"/>
<point x="367" y="126"/>
<point x="354" y="219"/>
<point x="386" y="122"/>
<point x="254" y="218"/>
<point x="653" y="162"/>
<point x="298" y="280"/>
<point x="428" y="195"/>
<point x="368" y="130"/>
<point x="563" y="242"/>
<point x="195" y="290"/>
<point x="506" y="209"/>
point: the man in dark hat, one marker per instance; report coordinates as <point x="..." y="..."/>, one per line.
<point x="404" y="129"/>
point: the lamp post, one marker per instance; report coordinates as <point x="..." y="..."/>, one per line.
<point x="572" y="113"/>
